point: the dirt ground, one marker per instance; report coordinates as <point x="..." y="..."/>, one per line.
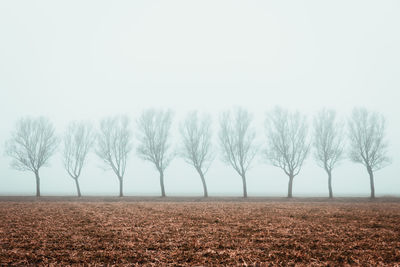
<point x="183" y="231"/>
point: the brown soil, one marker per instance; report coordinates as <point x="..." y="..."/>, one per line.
<point x="197" y="232"/>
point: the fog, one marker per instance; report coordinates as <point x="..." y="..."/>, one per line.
<point x="107" y="58"/>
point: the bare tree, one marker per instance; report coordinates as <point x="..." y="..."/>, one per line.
<point x="328" y="142"/>
<point x="114" y="142"/>
<point x="236" y="138"/>
<point x="78" y="140"/>
<point x="32" y="143"/>
<point x="368" y="145"/>
<point x="153" y="136"/>
<point x="287" y="142"/>
<point x="196" y="144"/>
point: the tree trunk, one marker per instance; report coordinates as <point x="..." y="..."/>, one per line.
<point x="290" y="186"/>
<point x="371" y="179"/>
<point x="121" y="187"/>
<point x="244" y="185"/>
<point x="77" y="187"/>
<point x="37" y="183"/>
<point x="330" y="183"/>
<point x="162" y="183"/>
<point x="204" y="183"/>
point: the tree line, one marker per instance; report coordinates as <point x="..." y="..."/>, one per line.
<point x="287" y="143"/>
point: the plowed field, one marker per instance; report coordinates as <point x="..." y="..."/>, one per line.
<point x="199" y="233"/>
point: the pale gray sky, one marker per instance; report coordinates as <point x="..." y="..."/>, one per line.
<point x="87" y="59"/>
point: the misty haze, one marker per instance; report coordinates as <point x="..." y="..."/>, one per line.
<point x="251" y="118"/>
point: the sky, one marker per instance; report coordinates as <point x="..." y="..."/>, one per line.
<point x="85" y="60"/>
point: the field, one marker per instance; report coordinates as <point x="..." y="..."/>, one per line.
<point x="183" y="231"/>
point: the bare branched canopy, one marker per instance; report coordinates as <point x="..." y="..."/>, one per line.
<point x="328" y="139"/>
<point x="153" y="136"/>
<point x="287" y="140"/>
<point x="368" y="145"/>
<point x="114" y="143"/>
<point x="236" y="138"/>
<point x="78" y="140"/>
<point x="196" y="149"/>
<point x="32" y="144"/>
<point x="196" y="136"/>
<point x="287" y="144"/>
